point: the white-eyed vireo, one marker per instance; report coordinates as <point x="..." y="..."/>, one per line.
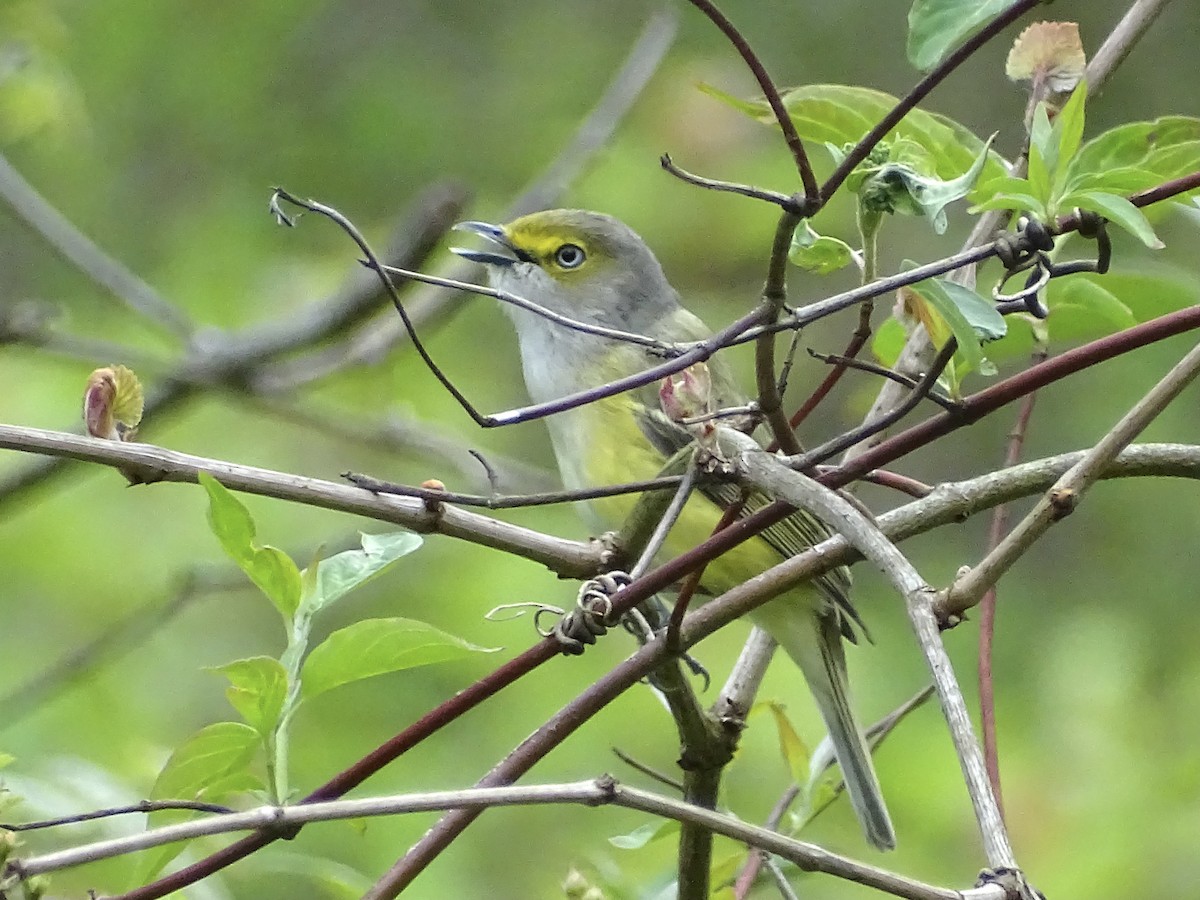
<point x="593" y="268"/>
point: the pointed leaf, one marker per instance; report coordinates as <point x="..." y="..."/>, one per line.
<point x="818" y="253"/>
<point x="209" y="756"/>
<point x="1119" y="211"/>
<point x="645" y="834"/>
<point x="837" y="114"/>
<point x="339" y="574"/>
<point x="257" y="687"/>
<point x="1085" y="310"/>
<point x="271" y="570"/>
<point x="791" y="747"/>
<point x="376" y="646"/>
<point x="1070" y="124"/>
<point x="936" y="27"/>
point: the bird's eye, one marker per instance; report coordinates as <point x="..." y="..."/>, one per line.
<point x="570" y="256"/>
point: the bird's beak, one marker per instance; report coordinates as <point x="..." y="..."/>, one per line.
<point x="494" y="234"/>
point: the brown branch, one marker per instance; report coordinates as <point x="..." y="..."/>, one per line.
<point x="918" y="93"/>
<point x="812" y="192"/>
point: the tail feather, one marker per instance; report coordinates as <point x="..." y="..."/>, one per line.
<point x="814" y="643"/>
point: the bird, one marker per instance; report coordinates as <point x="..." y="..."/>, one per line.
<point x="593" y="268"/>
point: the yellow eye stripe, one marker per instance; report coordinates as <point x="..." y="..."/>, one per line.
<point x="542" y="244"/>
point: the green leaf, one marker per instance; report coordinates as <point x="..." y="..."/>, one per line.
<point x="340" y="574"/>
<point x="1069" y="125"/>
<point x="936" y="27"/>
<point x="257" y="687"/>
<point x="1043" y="151"/>
<point x="271" y="570"/>
<point x="970" y="318"/>
<point x="376" y="646"/>
<point x="1169" y="147"/>
<point x="791" y="747"/>
<point x="1019" y="202"/>
<point x="1085" y="310"/>
<point x="1117" y="210"/>
<point x="210" y="765"/>
<point x="1126" y="180"/>
<point x="838" y="114"/>
<point x="206" y="759"/>
<point x="889" y="341"/>
<point x="896" y="187"/>
<point x="228" y="519"/>
<point x="645" y="834"/>
<point x="818" y="253"/>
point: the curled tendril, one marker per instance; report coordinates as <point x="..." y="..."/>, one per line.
<point x="1029" y="248"/>
<point x="593" y="613"/>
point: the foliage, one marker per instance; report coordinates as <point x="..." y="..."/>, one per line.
<point x="157" y="132"/>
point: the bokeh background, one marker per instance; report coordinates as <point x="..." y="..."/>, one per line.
<point x="159" y="129"/>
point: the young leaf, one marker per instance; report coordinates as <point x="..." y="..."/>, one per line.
<point x="818" y="253"/>
<point x="970" y="318"/>
<point x="271" y="570"/>
<point x="645" y="834"/>
<point x="210" y="765"/>
<point x="257" y="687"/>
<point x="203" y="761"/>
<point x="1049" y="55"/>
<point x="339" y="574"/>
<point x="1043" y="150"/>
<point x="791" y="747"/>
<point x="1169" y="147"/>
<point x="838" y="114"/>
<point x="898" y="187"/>
<point x="1085" y="310"/>
<point x="376" y="646"/>
<point x="936" y="27"/>
<point x="1117" y="210"/>
<point x="1070" y="124"/>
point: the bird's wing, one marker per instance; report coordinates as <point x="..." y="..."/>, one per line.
<point x="790" y="537"/>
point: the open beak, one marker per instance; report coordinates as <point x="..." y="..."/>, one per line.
<point x="496" y="236"/>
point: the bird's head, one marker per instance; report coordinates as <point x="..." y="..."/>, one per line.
<point x="581" y="264"/>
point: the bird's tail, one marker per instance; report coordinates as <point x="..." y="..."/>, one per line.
<point x="814" y="643"/>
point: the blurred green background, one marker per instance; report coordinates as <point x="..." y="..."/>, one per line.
<point x="159" y="129"/>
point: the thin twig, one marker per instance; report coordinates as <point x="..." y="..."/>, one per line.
<point x="598" y="792"/>
<point x="662" y="348"/>
<point x="784" y="201"/>
<point x="812" y="193"/>
<point x="649" y="771"/>
<point x="987" y="605"/>
<point x="430" y="307"/>
<point x="1061" y="500"/>
<point x="770" y="403"/>
<point x="849" y="439"/>
<point x="918" y="93"/>
<point x="843" y="363"/>
<point x="767" y="474"/>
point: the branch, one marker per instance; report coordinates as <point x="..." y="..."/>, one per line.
<point x="769" y="475"/>
<point x="602" y="791"/>
<point x="1062" y="499"/>
<point x="812" y="193"/>
<point x="918" y="93"/>
<point x="431" y="307"/>
<point x="948" y="504"/>
<point x="569" y="559"/>
<point x="222" y="358"/>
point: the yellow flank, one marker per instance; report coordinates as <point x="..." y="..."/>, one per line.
<point x="619" y="452"/>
